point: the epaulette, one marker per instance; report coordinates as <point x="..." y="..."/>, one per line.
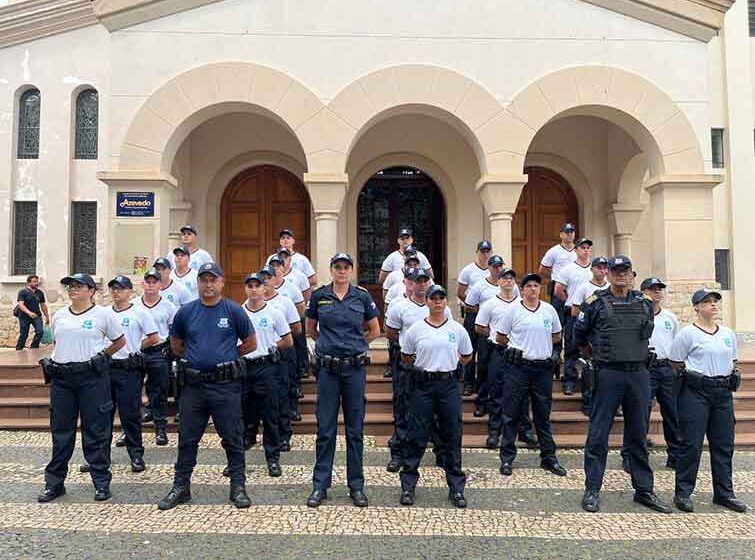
<point x="591" y="299"/>
<point x="318" y="288"/>
<point x="361" y="288"/>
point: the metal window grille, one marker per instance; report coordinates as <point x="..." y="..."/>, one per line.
<point x="84" y="237"/>
<point x="28" y="124"/>
<point x="717" y="147"/>
<point x="751" y="13"/>
<point x="87" y="117"/>
<point x="723" y="268"/>
<point x="24" y="237"/>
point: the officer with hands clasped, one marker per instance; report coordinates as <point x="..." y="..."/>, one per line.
<point x="205" y="335"/>
<point x="531" y="332"/>
<point x="706" y="355"/>
<point x="342" y="319"/>
<point x="78" y="371"/>
<point x="433" y="350"/>
<point x="614" y="328"/>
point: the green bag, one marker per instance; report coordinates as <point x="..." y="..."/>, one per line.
<point x="47" y="335"/>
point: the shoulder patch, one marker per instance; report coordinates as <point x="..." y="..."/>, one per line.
<point x="361" y="288"/>
<point x="591" y="299"/>
<point x="647" y="297"/>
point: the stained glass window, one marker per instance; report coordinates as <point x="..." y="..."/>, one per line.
<point x="28" y="124"/>
<point x="84" y="237"/>
<point x="87" y="116"/>
<point x="24" y="237"/>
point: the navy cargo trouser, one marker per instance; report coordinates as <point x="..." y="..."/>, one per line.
<point x="342" y="390"/>
<point x="287" y="370"/>
<point x="439" y="398"/>
<point x="497" y="371"/>
<point x="157" y="369"/>
<point x="199" y="402"/>
<point x="260" y="402"/>
<point x="626" y="385"/>
<point x="126" y="390"/>
<point x="470" y="369"/>
<point x="484" y="354"/>
<point x="85" y="394"/>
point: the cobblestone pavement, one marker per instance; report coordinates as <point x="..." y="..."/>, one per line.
<point x="532" y="514"/>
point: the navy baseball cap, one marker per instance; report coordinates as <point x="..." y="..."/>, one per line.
<point x="619" y="261"/>
<point x="496" y="260"/>
<point x="254" y="277"/>
<point x="600" y="261"/>
<point x="187" y="227"/>
<point x="410" y="250"/>
<point x="405" y="232"/>
<point x="182" y="249"/>
<point x="409" y="272"/>
<point x="121" y="281"/>
<point x="152" y="273"/>
<point x="567" y="227"/>
<point x="530" y="276"/>
<point x="210" y="268"/>
<point x="420" y="273"/>
<point x="162" y="261"/>
<point x="507" y="272"/>
<point x="283" y="250"/>
<point x="703" y="293"/>
<point x="484" y="245"/>
<point x="583" y="241"/>
<point x="275" y="259"/>
<point x="81" y="278"/>
<point x="436" y="290"/>
<point x="412" y="257"/>
<point x="648" y="283"/>
<point x="345" y="257"/>
<point x="267" y="270"/>
<point x="286" y="231"/>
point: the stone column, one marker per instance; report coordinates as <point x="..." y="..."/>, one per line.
<point x="327" y="193"/>
<point x="683" y="254"/>
<point x="624" y="219"/>
<point x="500" y="196"/>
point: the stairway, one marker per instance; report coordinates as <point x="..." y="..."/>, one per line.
<point x="24" y="405"/>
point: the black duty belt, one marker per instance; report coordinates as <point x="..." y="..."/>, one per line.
<point x="422" y="375"/>
<point x="156" y="349"/>
<point x="665" y="362"/>
<point x="547" y="363"/>
<point x="120" y="364"/>
<point x="259" y="361"/>
<point x="193" y="376"/>
<point x="325" y="360"/>
<point x="628" y="367"/>
<point x="704" y="381"/>
<point x="72" y="368"/>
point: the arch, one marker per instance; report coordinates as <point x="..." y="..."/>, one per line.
<point x="170" y="114"/>
<point x="433" y="90"/>
<point x="649" y="115"/>
<point x="86" y="123"/>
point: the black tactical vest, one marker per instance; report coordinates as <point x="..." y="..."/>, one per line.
<point x="623" y="330"/>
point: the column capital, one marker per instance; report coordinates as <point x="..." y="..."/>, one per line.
<point x="500" y="193"/>
<point x="624" y="218"/>
<point x="326" y="191"/>
<point x="663" y="182"/>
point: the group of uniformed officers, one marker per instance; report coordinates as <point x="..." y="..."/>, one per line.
<point x="241" y="366"/>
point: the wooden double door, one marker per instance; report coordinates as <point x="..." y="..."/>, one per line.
<point x="546" y="203"/>
<point x="256" y="205"/>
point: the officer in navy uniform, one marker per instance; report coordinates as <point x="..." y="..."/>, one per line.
<point x="706" y="354"/>
<point x="205" y="333"/>
<point x="614" y="329"/>
<point x="342" y="319"/>
<point x="434" y="349"/>
<point x="86" y="336"/>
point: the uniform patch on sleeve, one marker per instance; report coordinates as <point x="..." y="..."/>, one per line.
<point x="591" y="299"/>
<point x="581" y="317"/>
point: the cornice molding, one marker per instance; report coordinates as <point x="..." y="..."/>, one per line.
<point x="118" y="14"/>
<point x="34" y="19"/>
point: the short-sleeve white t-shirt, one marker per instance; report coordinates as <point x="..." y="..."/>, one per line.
<point x="481" y="291"/>
<point x="298" y="262"/>
<point x="80" y="336"/>
<point x="298" y="279"/>
<point x="437" y="348"/>
<point x="196" y="259"/>
<point x="713" y="355"/>
<point x="136" y="324"/>
<point x="492" y="311"/>
<point x="269" y="327"/>
<point x="472" y="273"/>
<point x="584" y="291"/>
<point x="558" y="257"/>
<point x="289" y="290"/>
<point x="177" y="294"/>
<point x="530" y="331"/>
<point x="188" y="281"/>
<point x="664" y="332"/>
<point x="396" y="260"/>
<point x="573" y="275"/>
<point x="286" y="307"/>
<point x="395" y="277"/>
<point x="162" y="314"/>
<point x="405" y="313"/>
<point x="396" y="292"/>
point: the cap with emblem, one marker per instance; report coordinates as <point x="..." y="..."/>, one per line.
<point x="409" y="272"/>
<point x="345" y="257"/>
<point x="484" y="245"/>
<point x="648" y="283"/>
<point x="405" y="232"/>
<point x="600" y="261"/>
<point x="410" y="250"/>
<point x="284" y="251"/>
<point x="286" y="231"/>
<point x="436" y="290"/>
<point x="80" y="278"/>
<point x="254" y="277"/>
<point x="409" y="258"/>
<point x="275" y="259"/>
<point x="162" y="261"/>
<point x="496" y="260"/>
<point x="153" y="273"/>
<point x="619" y="261"/>
<point x="183" y="249"/>
<point x="584" y="241"/>
<point x="267" y="270"/>
<point x="568" y="227"/>
<point x="704" y="293"/>
<point x="507" y="272"/>
<point x="531" y="277"/>
<point x="121" y="281"/>
<point x="210" y="268"/>
<point x="186" y="228"/>
<point x="419" y="274"/>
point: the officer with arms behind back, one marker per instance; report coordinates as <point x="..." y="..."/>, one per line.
<point x="205" y="333"/>
<point x="433" y="350"/>
<point x="342" y="319"/>
<point x="614" y="328"/>
<point x="706" y="353"/>
<point x="86" y="336"/>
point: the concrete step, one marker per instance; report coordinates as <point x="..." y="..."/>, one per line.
<point x="20" y="387"/>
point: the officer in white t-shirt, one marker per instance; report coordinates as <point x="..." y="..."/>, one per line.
<point x="490" y="315"/>
<point x="390" y="284"/>
<point x="197" y="256"/>
<point x="555" y="259"/>
<point x="395" y="260"/>
<point x="183" y="273"/>
<point x="435" y="347"/>
<point x="474" y="271"/>
<point x="298" y="261"/>
<point x="174" y="292"/>
<point x="411" y="260"/>
<point x="706" y="353"/>
<point x="262" y="381"/>
<point x="290" y="274"/>
<point x="531" y="330"/>
<point x="86" y="336"/>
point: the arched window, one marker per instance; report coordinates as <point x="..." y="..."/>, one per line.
<point x="87" y="112"/>
<point x="28" y="124"/>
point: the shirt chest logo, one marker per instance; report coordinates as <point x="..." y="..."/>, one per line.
<point x="170" y="298"/>
<point x="728" y="342"/>
<point x="547" y="323"/>
<point x="452" y="337"/>
<point x="125" y="322"/>
<point x="87" y="325"/>
<point x="264" y="322"/>
<point x="223" y="323"/>
<point x="667" y="325"/>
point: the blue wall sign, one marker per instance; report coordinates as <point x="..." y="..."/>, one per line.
<point x="135" y="204"/>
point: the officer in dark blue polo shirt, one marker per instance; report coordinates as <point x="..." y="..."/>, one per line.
<point x="205" y="334"/>
<point x="343" y="320"/>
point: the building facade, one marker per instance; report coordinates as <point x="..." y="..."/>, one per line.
<point x="345" y="120"/>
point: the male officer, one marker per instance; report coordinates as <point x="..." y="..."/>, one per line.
<point x="205" y="334"/>
<point x="399" y="291"/>
<point x="290" y="274"/>
<point x="434" y="347"/>
<point x="157" y="358"/>
<point x="197" y="256"/>
<point x="183" y="273"/>
<point x="299" y="261"/>
<point x="174" y="292"/>
<point x="392" y="286"/>
<point x="396" y="276"/>
<point x="298" y="279"/>
<point x="395" y="260"/>
<point x="474" y="271"/>
<point x="614" y="328"/>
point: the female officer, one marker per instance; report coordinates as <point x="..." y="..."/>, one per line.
<point x="707" y="352"/>
<point x="86" y="336"/>
<point x="342" y="319"/>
